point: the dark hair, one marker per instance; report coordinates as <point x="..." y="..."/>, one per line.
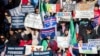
<point x="97" y="5"/>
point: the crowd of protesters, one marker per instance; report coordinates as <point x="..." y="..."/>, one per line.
<point x="88" y="29"/>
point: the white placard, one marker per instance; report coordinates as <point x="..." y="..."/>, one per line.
<point x="38" y="48"/>
<point x="63" y="16"/>
<point x="84" y="14"/>
<point x="63" y="42"/>
<point x="87" y="49"/>
<point x="28" y="49"/>
<point x="34" y="21"/>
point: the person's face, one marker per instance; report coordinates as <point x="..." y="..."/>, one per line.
<point x="19" y="30"/>
<point x="66" y="32"/>
<point x="62" y="24"/>
<point x="37" y="11"/>
<point x="80" y="41"/>
<point x="2" y="38"/>
<point x="96" y="8"/>
<point x="11" y="32"/>
<point x="88" y="31"/>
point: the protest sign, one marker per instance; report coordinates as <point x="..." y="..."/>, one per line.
<point x="95" y="42"/>
<point x="48" y="32"/>
<point x="38" y="48"/>
<point x="17" y="22"/>
<point x="69" y="7"/>
<point x="84" y="14"/>
<point x="42" y="53"/>
<point x="15" y="51"/>
<point x="50" y="22"/>
<point x="34" y="21"/>
<point x="87" y="49"/>
<point x="28" y="49"/>
<point x="63" y="42"/>
<point x="27" y="8"/>
<point x="63" y="16"/>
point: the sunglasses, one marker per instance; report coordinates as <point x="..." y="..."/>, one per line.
<point x="2" y="38"/>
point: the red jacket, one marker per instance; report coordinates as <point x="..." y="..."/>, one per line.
<point x="23" y="42"/>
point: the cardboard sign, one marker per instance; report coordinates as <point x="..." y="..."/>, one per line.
<point x="17" y="22"/>
<point x="48" y="32"/>
<point x="69" y="7"/>
<point x="63" y="42"/>
<point x="15" y="51"/>
<point x="84" y="14"/>
<point x="38" y="48"/>
<point x="63" y="16"/>
<point x="95" y="42"/>
<point x="34" y="21"/>
<point x="87" y="49"/>
<point x="27" y="8"/>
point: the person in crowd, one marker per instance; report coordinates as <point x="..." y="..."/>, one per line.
<point x="97" y="14"/>
<point x="26" y="39"/>
<point x="62" y="28"/>
<point x="18" y="34"/>
<point x="3" y="42"/>
<point x="13" y="40"/>
<point x="53" y="45"/>
<point x="75" y="47"/>
<point x="90" y="34"/>
<point x="35" y="37"/>
<point x="44" y="43"/>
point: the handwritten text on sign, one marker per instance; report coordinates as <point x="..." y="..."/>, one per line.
<point x="84" y="14"/>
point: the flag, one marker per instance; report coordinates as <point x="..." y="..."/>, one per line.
<point x="73" y="40"/>
<point x="55" y="7"/>
<point x="43" y="9"/>
<point x="49" y="7"/>
<point x="77" y="31"/>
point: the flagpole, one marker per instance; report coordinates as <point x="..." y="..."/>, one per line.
<point x="61" y="3"/>
<point x="39" y="6"/>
